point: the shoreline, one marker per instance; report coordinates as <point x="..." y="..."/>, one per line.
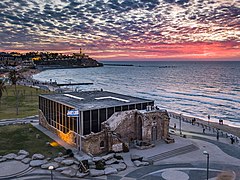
<point x="224" y="127"/>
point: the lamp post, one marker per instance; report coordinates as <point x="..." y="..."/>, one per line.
<point x="180" y="124"/>
<point x="51" y="169"/>
<point x="207" y="154"/>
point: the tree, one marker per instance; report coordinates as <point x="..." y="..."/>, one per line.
<point x="14" y="77"/>
<point x="2" y="89"/>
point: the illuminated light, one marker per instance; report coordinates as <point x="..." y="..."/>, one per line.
<point x="54" y="144"/>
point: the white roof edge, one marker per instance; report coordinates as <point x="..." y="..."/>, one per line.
<point x="110" y="97"/>
<point x="72" y="96"/>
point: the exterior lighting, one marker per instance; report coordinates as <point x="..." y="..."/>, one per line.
<point x="207" y="154"/>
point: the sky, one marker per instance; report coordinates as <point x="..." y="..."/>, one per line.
<point x="123" y="29"/>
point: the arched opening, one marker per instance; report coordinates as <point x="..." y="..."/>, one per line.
<point x="102" y="144"/>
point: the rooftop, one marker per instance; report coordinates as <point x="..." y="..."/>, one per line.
<point x="87" y="100"/>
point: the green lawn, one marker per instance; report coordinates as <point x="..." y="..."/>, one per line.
<point x="27" y="102"/>
<point x="16" y="137"/>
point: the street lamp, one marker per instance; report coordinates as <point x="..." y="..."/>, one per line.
<point x="51" y="169"/>
<point x="207" y="154"/>
<point x="180" y="124"/>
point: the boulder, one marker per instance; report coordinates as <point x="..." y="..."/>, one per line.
<point x="10" y="156"/>
<point x="36" y="163"/>
<point x="26" y="160"/>
<point x="37" y="157"/>
<point x="82" y="158"/>
<point x="54" y="164"/>
<point x="111" y="161"/>
<point x="59" y="159"/>
<point x="139" y="163"/>
<point x="23" y="152"/>
<point x="94" y="172"/>
<point x="90" y="162"/>
<point x="96" y="159"/>
<point x="110" y="170"/>
<point x="20" y="157"/>
<point x="119" y="167"/>
<point x="74" y="166"/>
<point x="81" y="175"/>
<point x="3" y="159"/>
<point x="69" y="172"/>
<point x="76" y="162"/>
<point x="135" y="157"/>
<point x="67" y="162"/>
<point x="108" y="156"/>
<point x="62" y="168"/>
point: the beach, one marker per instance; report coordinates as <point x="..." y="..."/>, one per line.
<point x="206" y="124"/>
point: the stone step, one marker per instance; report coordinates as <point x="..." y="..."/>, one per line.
<point x="173" y="153"/>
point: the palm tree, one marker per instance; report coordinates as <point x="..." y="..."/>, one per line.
<point x="2" y="89"/>
<point x="14" y="77"/>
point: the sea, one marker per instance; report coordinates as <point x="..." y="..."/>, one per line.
<point x="195" y="89"/>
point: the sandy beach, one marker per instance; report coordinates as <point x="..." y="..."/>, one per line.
<point x="223" y="127"/>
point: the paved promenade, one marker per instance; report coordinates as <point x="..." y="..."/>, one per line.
<point x="181" y="160"/>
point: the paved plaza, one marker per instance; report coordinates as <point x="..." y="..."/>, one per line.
<point x="183" y="160"/>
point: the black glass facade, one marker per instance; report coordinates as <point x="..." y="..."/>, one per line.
<point x="90" y="120"/>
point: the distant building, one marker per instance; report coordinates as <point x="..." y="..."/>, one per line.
<point x="94" y="109"/>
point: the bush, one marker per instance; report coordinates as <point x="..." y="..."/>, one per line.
<point x="100" y="165"/>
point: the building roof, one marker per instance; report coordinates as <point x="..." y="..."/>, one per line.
<point x="87" y="100"/>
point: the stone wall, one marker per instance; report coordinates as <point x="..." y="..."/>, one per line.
<point x="95" y="143"/>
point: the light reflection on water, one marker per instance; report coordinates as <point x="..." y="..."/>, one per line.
<point x="192" y="88"/>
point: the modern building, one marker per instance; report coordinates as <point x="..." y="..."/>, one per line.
<point x="94" y="107"/>
<point x="101" y="121"/>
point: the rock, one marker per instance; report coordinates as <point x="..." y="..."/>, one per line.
<point x="81" y="175"/>
<point x="139" y="163"/>
<point x="92" y="166"/>
<point x="10" y="156"/>
<point x="54" y="164"/>
<point x="62" y="168"/>
<point x="119" y="167"/>
<point x="110" y="170"/>
<point x="82" y="158"/>
<point x="90" y="162"/>
<point x="23" y="152"/>
<point x="74" y="166"/>
<point x="3" y="159"/>
<point x="67" y="162"/>
<point x="36" y="163"/>
<point x="26" y="160"/>
<point x="94" y="172"/>
<point x="76" y="162"/>
<point x="69" y="172"/>
<point x="59" y="159"/>
<point x="136" y="157"/>
<point x="108" y="156"/>
<point x="20" y="157"/>
<point x="37" y="157"/>
<point x="96" y="159"/>
<point x="111" y="161"/>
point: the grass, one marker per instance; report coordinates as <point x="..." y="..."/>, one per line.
<point x="27" y="102"/>
<point x="16" y="137"/>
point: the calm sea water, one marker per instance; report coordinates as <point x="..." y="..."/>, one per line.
<point x="191" y="88"/>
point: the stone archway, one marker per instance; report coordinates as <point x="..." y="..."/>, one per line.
<point x="154" y="133"/>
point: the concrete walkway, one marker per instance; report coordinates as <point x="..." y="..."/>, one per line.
<point x="189" y="165"/>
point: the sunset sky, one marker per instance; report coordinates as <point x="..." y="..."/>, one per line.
<point x="123" y="29"/>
